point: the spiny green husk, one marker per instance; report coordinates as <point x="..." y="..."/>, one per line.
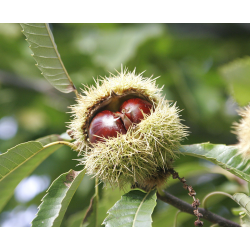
<point x="140" y="154"/>
<point x="242" y="130"/>
<point x="95" y="95"/>
<point x="145" y="152"/>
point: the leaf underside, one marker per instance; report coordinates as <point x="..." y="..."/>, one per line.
<point x="224" y="156"/>
<point x="48" y="59"/>
<point x="133" y="210"/>
<point x="19" y="162"/>
<point x="55" y="202"/>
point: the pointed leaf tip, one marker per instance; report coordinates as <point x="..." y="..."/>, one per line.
<point x="45" y="53"/>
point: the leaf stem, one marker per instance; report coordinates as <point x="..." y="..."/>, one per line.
<point x="69" y="144"/>
<point x="175" y="218"/>
<point x="97" y="199"/>
<point x="204" y="202"/>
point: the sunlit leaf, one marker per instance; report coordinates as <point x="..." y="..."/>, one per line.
<point x="224" y="156"/>
<point x="48" y="59"/>
<point x="133" y="210"/>
<point x="237" y="75"/>
<point x="56" y="201"/>
<point x="18" y="162"/>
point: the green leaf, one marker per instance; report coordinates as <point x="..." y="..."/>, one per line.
<point x="224" y="156"/>
<point x="133" y="210"/>
<point x="18" y="162"/>
<point x="237" y="75"/>
<point x="243" y="200"/>
<point x="56" y="201"/>
<point x="48" y="59"/>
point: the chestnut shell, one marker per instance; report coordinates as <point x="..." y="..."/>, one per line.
<point x="105" y="124"/>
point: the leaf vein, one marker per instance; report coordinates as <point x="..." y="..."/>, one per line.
<point x="28" y="24"/>
<point x="35" y="34"/>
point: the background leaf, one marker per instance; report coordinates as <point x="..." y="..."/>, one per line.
<point x="224" y="156"/>
<point x="48" y="59"/>
<point x="19" y="162"/>
<point x="237" y="75"/>
<point x="133" y="210"/>
<point x="55" y="202"/>
<point x="123" y="46"/>
<point x="243" y="200"/>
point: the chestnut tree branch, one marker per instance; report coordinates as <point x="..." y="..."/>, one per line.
<point x="185" y="207"/>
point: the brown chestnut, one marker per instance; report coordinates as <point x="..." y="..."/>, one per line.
<point x="133" y="108"/>
<point x="105" y="124"/>
<point x="108" y="124"/>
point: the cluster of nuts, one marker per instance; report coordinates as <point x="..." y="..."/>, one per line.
<point x="126" y="132"/>
<point x="108" y="124"/>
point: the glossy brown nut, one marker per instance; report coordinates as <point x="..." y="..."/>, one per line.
<point x="105" y="124"/>
<point x="132" y="109"/>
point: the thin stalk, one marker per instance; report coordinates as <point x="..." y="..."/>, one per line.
<point x="97" y="199"/>
<point x="204" y="202"/>
<point x="71" y="145"/>
<point x="76" y="93"/>
<point x="175" y="218"/>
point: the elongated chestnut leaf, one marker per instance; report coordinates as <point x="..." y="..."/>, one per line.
<point x="133" y="210"/>
<point x="18" y="162"/>
<point x="224" y="156"/>
<point x="48" y="59"/>
<point x="56" y="201"/>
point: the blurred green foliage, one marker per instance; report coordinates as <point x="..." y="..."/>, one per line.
<point x="187" y="57"/>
